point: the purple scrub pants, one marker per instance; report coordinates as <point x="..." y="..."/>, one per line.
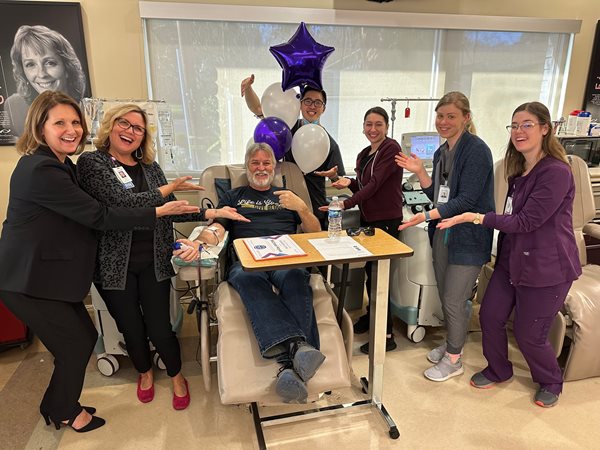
<point x="535" y="309"/>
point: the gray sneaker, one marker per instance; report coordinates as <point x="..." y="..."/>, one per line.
<point x="306" y="359"/>
<point x="436" y="355"/>
<point x="290" y="387"/>
<point x="480" y="381"/>
<point x="545" y="398"/>
<point x="444" y="370"/>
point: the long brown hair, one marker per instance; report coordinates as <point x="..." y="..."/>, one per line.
<point x="37" y="115"/>
<point x="461" y="101"/>
<point x="514" y="161"/>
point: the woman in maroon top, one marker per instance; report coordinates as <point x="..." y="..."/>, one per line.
<point x="537" y="258"/>
<point x="377" y="190"/>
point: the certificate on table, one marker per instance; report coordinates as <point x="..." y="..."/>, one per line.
<point x="343" y="247"/>
<point x="273" y="247"/>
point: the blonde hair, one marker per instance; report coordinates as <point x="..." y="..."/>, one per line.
<point x="514" y="161"/>
<point x="37" y="115"/>
<point x="102" y="141"/>
<point x="461" y="101"/>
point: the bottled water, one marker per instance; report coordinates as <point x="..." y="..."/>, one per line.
<point x="335" y="219"/>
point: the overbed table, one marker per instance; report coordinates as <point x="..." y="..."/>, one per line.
<point x="383" y="248"/>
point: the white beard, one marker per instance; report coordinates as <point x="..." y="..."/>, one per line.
<point x="253" y="179"/>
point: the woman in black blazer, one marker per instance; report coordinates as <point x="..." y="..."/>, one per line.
<point x="48" y="249"/>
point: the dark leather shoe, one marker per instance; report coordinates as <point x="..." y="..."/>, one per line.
<point x="390" y="345"/>
<point x="362" y="325"/>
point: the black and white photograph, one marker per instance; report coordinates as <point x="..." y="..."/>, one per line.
<point x="42" y="48"/>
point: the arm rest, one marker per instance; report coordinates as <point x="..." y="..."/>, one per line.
<point x="592" y="229"/>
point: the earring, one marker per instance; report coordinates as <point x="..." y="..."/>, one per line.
<point x="138" y="153"/>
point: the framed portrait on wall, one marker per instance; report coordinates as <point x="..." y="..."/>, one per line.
<point x="42" y="47"/>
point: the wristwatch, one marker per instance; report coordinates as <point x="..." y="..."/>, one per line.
<point x="477" y="219"/>
<point x="427" y="216"/>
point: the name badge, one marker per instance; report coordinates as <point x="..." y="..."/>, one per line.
<point x="443" y="195"/>
<point x="508" y="208"/>
<point x="123" y="177"/>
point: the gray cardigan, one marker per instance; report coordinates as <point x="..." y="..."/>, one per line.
<point x="471" y="190"/>
<point x="96" y="177"/>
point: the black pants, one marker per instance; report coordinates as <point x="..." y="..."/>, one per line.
<point x="141" y="311"/>
<point x="68" y="333"/>
<point x="391" y="228"/>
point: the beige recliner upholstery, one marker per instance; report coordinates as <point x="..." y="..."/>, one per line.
<point x="582" y="305"/>
<point x="580" y="317"/>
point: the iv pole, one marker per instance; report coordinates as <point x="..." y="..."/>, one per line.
<point x="406" y="99"/>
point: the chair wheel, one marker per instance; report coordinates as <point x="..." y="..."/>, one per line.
<point x="394" y="433"/>
<point x="107" y="365"/>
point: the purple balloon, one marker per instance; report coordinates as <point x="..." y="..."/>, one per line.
<point x="302" y="59"/>
<point x="276" y="133"/>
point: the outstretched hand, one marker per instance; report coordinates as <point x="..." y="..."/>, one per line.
<point x="183" y="184"/>
<point x="451" y="221"/>
<point x="411" y="163"/>
<point x="227" y="212"/>
<point x="342" y="183"/>
<point x="176" y="207"/>
<point x="246" y="83"/>
<point x="414" y="220"/>
<point x="330" y="173"/>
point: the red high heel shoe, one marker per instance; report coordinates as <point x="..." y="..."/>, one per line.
<point x="144" y="395"/>
<point x="180" y="403"/>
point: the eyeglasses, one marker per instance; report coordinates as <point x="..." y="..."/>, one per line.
<point x="311" y="102"/>
<point x="369" y="231"/>
<point x="525" y="126"/>
<point x="126" y="125"/>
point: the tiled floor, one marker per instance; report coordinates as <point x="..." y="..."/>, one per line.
<point x="429" y="415"/>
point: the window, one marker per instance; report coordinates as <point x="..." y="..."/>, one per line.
<point x="197" y="67"/>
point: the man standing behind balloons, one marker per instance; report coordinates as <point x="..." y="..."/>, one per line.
<point x="312" y="105"/>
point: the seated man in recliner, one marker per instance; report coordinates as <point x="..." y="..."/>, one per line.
<point x="284" y="322"/>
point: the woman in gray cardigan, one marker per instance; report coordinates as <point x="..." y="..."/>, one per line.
<point x="133" y="269"/>
<point x="462" y="180"/>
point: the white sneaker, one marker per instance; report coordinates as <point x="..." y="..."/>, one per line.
<point x="436" y="355"/>
<point x="444" y="370"/>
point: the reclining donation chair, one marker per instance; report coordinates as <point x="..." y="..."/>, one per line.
<point x="580" y="317"/>
<point x="243" y="375"/>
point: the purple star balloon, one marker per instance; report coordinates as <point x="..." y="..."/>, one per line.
<point x="302" y="59"/>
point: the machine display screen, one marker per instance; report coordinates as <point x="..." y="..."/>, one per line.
<point x="424" y="146"/>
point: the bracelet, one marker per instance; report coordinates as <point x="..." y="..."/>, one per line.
<point x="427" y="216"/>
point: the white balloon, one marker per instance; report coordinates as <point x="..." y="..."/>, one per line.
<point x="250" y="142"/>
<point x="310" y="147"/>
<point x="284" y="105"/>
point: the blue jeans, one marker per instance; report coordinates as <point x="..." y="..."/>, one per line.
<point x="277" y="317"/>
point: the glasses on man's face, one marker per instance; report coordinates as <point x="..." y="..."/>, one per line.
<point x="525" y="126"/>
<point x="126" y="125"/>
<point x="369" y="231"/>
<point x="311" y="102"/>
